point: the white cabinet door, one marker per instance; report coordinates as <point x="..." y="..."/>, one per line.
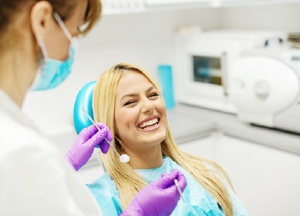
<point x="267" y="180"/>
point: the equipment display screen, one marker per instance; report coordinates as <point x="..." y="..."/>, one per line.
<point x="295" y="58"/>
<point x="207" y="70"/>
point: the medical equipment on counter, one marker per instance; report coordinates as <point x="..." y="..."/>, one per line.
<point x="124" y="158"/>
<point x="266" y="87"/>
<point x="204" y="64"/>
<point x="165" y="77"/>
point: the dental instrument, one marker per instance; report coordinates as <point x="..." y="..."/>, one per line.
<point x="179" y="190"/>
<point x="124" y="158"/>
<point x="177" y="186"/>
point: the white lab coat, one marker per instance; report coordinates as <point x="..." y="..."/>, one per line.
<point x="35" y="180"/>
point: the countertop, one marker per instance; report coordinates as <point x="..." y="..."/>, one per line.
<point x="185" y="127"/>
<point x="230" y="125"/>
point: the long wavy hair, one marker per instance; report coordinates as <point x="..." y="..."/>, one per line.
<point x="207" y="173"/>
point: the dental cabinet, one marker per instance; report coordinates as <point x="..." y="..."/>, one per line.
<point x="266" y="180"/>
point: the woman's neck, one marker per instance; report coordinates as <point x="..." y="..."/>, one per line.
<point x="14" y="76"/>
<point x="147" y="159"/>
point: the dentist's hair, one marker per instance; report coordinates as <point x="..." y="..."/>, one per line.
<point x="15" y="15"/>
<point x="207" y="173"/>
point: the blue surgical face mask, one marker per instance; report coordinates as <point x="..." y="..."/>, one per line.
<point x="52" y="72"/>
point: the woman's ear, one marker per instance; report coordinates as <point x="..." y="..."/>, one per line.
<point x="41" y="18"/>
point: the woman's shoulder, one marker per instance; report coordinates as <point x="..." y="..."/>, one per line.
<point x="171" y="164"/>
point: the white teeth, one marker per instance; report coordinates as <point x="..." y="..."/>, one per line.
<point x="148" y="123"/>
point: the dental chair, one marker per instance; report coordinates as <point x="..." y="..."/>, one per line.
<point x="84" y="100"/>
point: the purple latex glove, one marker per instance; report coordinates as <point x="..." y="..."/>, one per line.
<point x="158" y="198"/>
<point x="83" y="147"/>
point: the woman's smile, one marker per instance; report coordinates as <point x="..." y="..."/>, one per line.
<point x="150" y="124"/>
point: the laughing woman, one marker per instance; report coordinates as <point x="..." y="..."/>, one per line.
<point x="129" y="102"/>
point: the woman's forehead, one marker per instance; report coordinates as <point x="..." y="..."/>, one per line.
<point x="133" y="79"/>
<point x="132" y="82"/>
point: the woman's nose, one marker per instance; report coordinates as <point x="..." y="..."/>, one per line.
<point x="147" y="106"/>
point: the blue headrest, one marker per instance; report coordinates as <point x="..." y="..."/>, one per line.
<point x="84" y="99"/>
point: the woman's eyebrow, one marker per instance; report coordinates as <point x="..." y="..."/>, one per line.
<point x="150" y="88"/>
<point x="134" y="94"/>
<point x="128" y="95"/>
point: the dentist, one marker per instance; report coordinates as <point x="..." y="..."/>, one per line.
<point x="37" y="47"/>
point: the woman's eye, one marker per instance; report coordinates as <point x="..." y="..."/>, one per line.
<point x="153" y="95"/>
<point x="129" y="103"/>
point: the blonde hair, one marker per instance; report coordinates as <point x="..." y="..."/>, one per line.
<point x="128" y="182"/>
